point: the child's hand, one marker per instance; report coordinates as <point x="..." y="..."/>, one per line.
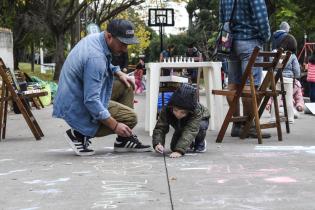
<point x="159" y="148"/>
<point x="268" y="107"/>
<point x="299" y="109"/>
<point x="175" y="155"/>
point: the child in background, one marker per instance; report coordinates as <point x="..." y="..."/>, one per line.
<point x="138" y="76"/>
<point x="298" y="100"/>
<point x="189" y="119"/>
<point x="311" y="76"/>
<point x="290" y="73"/>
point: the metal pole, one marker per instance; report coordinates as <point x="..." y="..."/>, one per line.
<point x="161" y="37"/>
<point x="305" y="47"/>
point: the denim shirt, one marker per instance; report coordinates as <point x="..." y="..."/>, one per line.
<point x="85" y="85"/>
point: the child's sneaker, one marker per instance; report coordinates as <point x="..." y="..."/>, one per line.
<point x="200" y="148"/>
<point x="191" y="148"/>
<point x="130" y="144"/>
<point x="79" y="146"/>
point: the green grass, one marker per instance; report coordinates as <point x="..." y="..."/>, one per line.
<point x="26" y="67"/>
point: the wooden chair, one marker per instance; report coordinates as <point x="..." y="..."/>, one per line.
<point x="265" y="91"/>
<point x="279" y="78"/>
<point x="35" y="100"/>
<point x="11" y="91"/>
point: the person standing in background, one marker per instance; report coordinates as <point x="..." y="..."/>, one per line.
<point x="250" y="28"/>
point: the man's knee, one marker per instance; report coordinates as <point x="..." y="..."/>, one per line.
<point x="118" y="84"/>
<point x="131" y="120"/>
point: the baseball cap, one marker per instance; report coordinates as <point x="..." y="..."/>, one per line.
<point x="123" y="30"/>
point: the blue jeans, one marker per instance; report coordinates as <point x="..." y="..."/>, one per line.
<point x="312" y="91"/>
<point x="242" y="50"/>
<point x="200" y="138"/>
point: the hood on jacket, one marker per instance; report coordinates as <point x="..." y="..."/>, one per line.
<point x="279" y="34"/>
<point x="184" y="97"/>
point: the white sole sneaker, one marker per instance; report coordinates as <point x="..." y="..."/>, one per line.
<point x="204" y="150"/>
<point x="76" y="150"/>
<point x="123" y="149"/>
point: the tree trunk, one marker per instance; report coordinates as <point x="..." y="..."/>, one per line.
<point x="190" y="23"/>
<point x="16" y="56"/>
<point x="59" y="54"/>
<point x="75" y="29"/>
<point x="75" y="32"/>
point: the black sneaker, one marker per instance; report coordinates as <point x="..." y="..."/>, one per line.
<point x="200" y="148"/>
<point x="79" y="146"/>
<point x="130" y="144"/>
<point x="252" y="133"/>
<point x="236" y="129"/>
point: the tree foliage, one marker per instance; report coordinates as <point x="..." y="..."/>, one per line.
<point x="58" y="16"/>
<point x="35" y="20"/>
<point x="103" y="10"/>
<point x="203" y="16"/>
<point x="17" y="16"/>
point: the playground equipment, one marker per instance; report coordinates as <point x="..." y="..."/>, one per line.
<point x="306" y="51"/>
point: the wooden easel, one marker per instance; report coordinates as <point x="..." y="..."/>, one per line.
<point x="10" y="91"/>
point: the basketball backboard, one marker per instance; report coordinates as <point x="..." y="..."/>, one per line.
<point x="161" y="17"/>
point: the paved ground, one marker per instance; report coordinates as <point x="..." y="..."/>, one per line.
<point x="237" y="174"/>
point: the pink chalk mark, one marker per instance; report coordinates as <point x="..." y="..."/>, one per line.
<point x="275" y="170"/>
<point x="281" y="179"/>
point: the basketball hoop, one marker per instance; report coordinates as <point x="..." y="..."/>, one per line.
<point x="161" y="17"/>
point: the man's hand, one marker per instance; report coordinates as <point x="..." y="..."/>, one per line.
<point x="123" y="130"/>
<point x="159" y="148"/>
<point x="175" y="155"/>
<point x="124" y="78"/>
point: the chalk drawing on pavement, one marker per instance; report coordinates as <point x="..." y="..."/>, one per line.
<point x="32" y="208"/>
<point x="47" y="191"/>
<point x="281" y="179"/>
<point x="47" y="182"/>
<point x="309" y="149"/>
<point x="12" y="172"/>
<point x="115" y="191"/>
<point x="5" y="160"/>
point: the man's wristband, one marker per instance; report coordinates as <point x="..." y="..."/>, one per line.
<point x="115" y="127"/>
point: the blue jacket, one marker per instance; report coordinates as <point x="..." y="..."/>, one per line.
<point x="277" y="38"/>
<point x="292" y="69"/>
<point x="85" y="85"/>
<point x="250" y="19"/>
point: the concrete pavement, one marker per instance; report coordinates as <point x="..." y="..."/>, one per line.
<point x="236" y="174"/>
